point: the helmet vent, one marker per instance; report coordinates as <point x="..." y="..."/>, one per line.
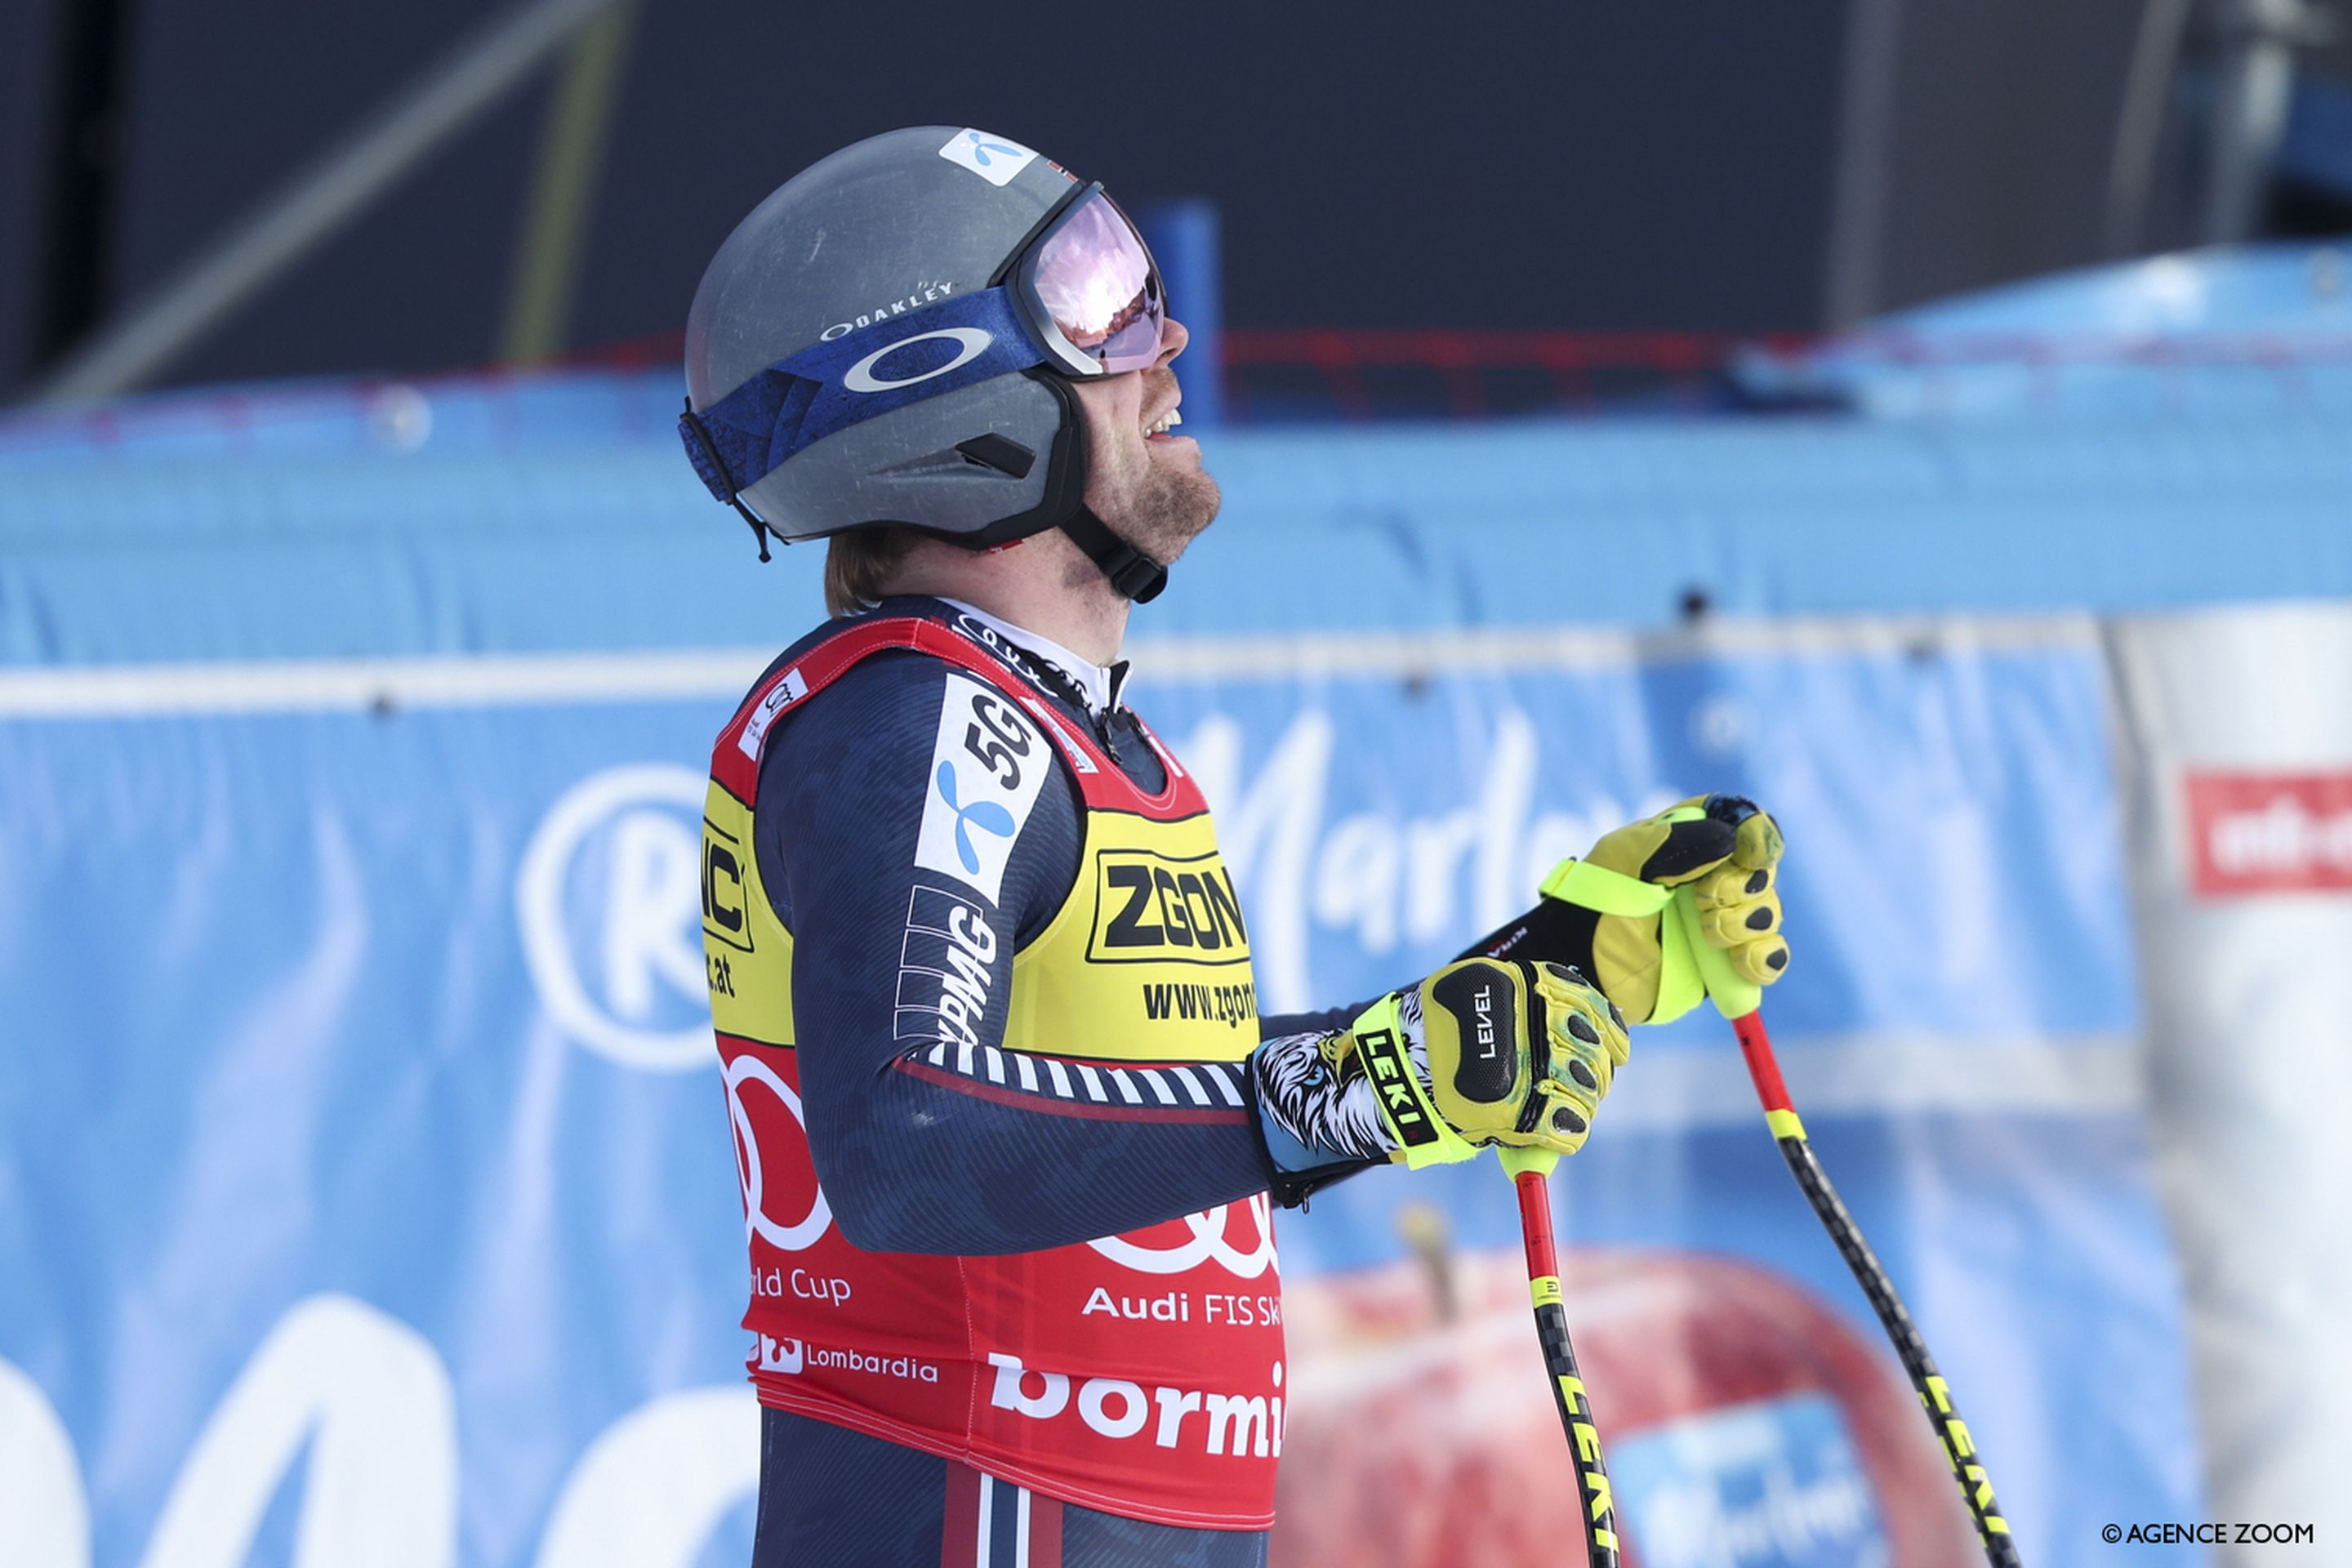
<point x="999" y="452"/>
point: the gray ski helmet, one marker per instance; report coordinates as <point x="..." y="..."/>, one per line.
<point x="856" y="354"/>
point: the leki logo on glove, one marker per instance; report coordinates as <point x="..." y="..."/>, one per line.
<point x="1384" y="1063"/>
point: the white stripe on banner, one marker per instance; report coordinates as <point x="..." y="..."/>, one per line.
<point x="1681" y="1090"/>
<point x="507" y="681"/>
<point x="502" y="680"/>
<point x="1663" y="1090"/>
<point x="981" y="1558"/>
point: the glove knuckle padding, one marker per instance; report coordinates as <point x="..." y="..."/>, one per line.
<point x="1686" y="848"/>
<point x="1759" y="844"/>
<point x="1732" y="884"/>
<point x="1587" y="1041"/>
<point x="1736" y="925"/>
<point x="1584" y="1078"/>
<point x="1762" y="961"/>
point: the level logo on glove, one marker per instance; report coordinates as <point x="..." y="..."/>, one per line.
<point x="1728" y="853"/>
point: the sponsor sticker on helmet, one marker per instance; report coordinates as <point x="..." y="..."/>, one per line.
<point x="992" y="158"/>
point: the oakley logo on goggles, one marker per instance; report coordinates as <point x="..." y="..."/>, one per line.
<point x="1083" y="299"/>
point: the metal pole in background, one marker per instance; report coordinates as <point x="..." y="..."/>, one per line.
<point x="2140" y="122"/>
<point x="1184" y="240"/>
<point x="84" y="157"/>
<point x="1866" y="126"/>
<point x="571" y="149"/>
<point x="318" y="200"/>
<point x="2252" y="79"/>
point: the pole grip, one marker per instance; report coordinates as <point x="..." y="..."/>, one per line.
<point x="1517" y="1162"/>
<point x="1734" y="995"/>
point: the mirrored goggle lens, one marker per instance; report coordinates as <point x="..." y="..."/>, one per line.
<point x="1097" y="284"/>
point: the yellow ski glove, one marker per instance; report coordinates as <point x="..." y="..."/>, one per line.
<point x="1485" y="1052"/>
<point x="1721" y="846"/>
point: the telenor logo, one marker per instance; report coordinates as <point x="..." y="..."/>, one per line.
<point x="992" y="158"/>
<point x="2269" y="832"/>
<point x="988" y="762"/>
<point x="984" y="815"/>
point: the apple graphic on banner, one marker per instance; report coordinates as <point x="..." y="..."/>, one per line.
<point x="1744" y="1423"/>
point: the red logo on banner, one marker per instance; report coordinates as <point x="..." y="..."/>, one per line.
<point x="2269" y="833"/>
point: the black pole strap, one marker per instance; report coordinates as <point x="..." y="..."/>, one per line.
<point x="1131" y="572"/>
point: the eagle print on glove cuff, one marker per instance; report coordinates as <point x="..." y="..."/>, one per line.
<point x="1314" y="1090"/>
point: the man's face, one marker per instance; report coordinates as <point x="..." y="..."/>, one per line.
<point x="1151" y="490"/>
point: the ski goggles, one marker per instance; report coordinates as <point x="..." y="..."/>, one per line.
<point x="1082" y="298"/>
<point x="1092" y="290"/>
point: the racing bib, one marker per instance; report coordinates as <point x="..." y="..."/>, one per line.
<point x="1139" y="1374"/>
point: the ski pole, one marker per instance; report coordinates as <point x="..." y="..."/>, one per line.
<point x="1741" y="1001"/>
<point x="1528" y="1168"/>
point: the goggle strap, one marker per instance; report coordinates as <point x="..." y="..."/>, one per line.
<point x="830" y="386"/>
<point x="703" y="452"/>
<point x="1131" y="572"/>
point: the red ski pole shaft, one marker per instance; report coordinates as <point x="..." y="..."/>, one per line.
<point x="1527" y="1169"/>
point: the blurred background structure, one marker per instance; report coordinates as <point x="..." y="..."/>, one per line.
<point x="1932" y="416"/>
<point x="548" y="179"/>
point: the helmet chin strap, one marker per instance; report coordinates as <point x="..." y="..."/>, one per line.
<point x="1131" y="572"/>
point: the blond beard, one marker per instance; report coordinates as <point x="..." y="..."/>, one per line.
<point x="1168" y="514"/>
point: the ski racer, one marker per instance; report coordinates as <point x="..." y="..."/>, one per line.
<point x="1008" y="1123"/>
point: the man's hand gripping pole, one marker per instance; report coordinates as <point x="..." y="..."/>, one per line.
<point x="1528" y="1168"/>
<point x="1741" y="1001"/>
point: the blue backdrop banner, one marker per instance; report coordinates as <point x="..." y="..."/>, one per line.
<point x="367" y="1192"/>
